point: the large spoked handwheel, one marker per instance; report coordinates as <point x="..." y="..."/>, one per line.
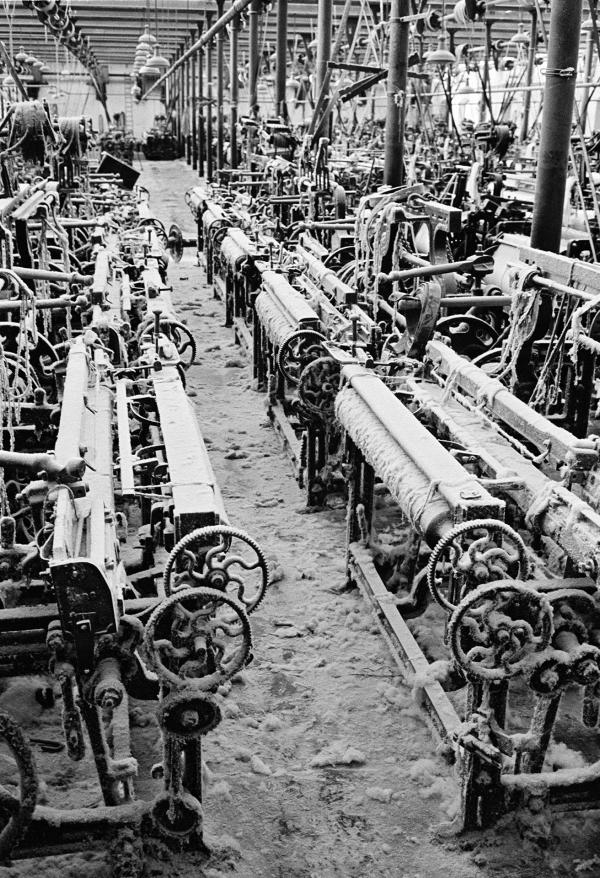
<point x="199" y="637"/>
<point x="318" y="387"/>
<point x="471" y="554"/>
<point x="184" y="342"/>
<point x="496" y="629"/>
<point x="161" y="232"/>
<point x="219" y="557"/>
<point x="178" y="333"/>
<point x="297" y="351"/>
<point x="16" y="810"/>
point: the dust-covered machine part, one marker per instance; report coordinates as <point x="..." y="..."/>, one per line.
<point x="399" y="213"/>
<point x="121" y="575"/>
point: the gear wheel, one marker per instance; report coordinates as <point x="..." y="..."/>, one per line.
<point x="186" y="619"/>
<point x="482" y="558"/>
<point x="496" y="629"/>
<point x="20" y="808"/>
<point x="299" y="349"/>
<point x="318" y="386"/>
<point x="216" y="567"/>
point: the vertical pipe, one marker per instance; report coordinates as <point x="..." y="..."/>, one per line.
<point x="589" y="63"/>
<point x="194" y="105"/>
<point x="188" y="112"/>
<point x="485" y="105"/>
<point x="533" y="35"/>
<point x="254" y="60"/>
<point x="209" y="106"/>
<point x="324" y="10"/>
<point x="175" y="101"/>
<point x="234" y="90"/>
<point x="452" y="48"/>
<point x="555" y="140"/>
<point x="393" y="172"/>
<point x="180" y="105"/>
<point x="220" y="41"/>
<point x="201" y="137"/>
<point x="281" y="59"/>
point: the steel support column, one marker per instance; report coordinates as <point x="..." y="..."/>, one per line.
<point x="188" y="111"/>
<point x="220" y="89"/>
<point x="281" y="59"/>
<point x="393" y="173"/>
<point x="201" y="131"/>
<point x="175" y="102"/>
<point x="233" y="90"/>
<point x="194" y="60"/>
<point x="559" y="97"/>
<point x="209" y="110"/>
<point x="533" y="36"/>
<point x="181" y="104"/>
<point x="324" y="11"/>
<point x="254" y="60"/>
<point x="236" y="7"/>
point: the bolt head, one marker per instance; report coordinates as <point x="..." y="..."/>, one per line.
<point x="189" y="719"/>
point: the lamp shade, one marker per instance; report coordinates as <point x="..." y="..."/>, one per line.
<point x="520" y="37"/>
<point x="149" y="72"/>
<point x="158" y="61"/>
<point x="440" y="57"/>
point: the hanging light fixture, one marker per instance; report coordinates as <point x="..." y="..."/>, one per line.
<point x="442" y="56"/>
<point x="148" y="64"/>
<point x="521" y="38"/>
<point x="149" y="75"/>
<point x="146" y="39"/>
<point x="157" y="60"/>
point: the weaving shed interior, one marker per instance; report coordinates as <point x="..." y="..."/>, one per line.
<point x="299" y="442"/>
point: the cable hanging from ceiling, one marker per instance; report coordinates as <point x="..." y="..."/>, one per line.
<point x="148" y="64"/>
<point x="58" y="18"/>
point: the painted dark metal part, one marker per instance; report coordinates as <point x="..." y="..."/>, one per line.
<point x="559" y="98"/>
<point x="393" y="174"/>
<point x="281" y="58"/>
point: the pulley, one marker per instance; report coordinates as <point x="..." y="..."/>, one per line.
<point x="175" y="243"/>
<point x="187" y="715"/>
